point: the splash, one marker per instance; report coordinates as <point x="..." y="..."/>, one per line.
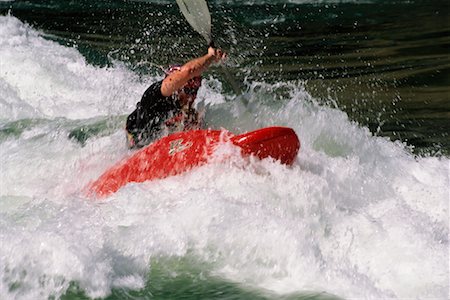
<point x="41" y="79"/>
<point x="357" y="216"/>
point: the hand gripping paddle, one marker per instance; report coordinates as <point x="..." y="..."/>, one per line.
<point x="197" y="14"/>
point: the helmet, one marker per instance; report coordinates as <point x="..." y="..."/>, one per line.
<point x="172" y="68"/>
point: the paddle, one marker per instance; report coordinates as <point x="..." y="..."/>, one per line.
<point x="197" y="14"/>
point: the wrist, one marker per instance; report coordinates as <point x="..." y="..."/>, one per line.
<point x="210" y="58"/>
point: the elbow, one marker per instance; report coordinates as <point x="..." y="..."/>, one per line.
<point x="191" y="71"/>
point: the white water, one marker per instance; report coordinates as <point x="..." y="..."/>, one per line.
<point x="357" y="215"/>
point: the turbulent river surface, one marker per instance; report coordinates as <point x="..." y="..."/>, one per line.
<point x="362" y="213"/>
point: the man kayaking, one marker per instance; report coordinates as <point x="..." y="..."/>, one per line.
<point x="168" y="104"/>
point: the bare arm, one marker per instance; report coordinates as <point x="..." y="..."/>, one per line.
<point x="176" y="80"/>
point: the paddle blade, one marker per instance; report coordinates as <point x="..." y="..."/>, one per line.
<point x="197" y="14"/>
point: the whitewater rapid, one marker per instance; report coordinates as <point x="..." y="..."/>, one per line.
<point x="357" y="216"/>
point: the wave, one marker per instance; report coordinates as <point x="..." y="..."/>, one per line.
<point x="42" y="79"/>
<point x="356" y="215"/>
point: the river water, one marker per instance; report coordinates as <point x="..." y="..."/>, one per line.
<point x="362" y="213"/>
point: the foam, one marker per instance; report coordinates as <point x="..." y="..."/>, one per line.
<point x="39" y="78"/>
<point x="356" y="215"/>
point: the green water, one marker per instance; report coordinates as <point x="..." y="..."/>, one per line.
<point x="385" y="63"/>
<point x="185" y="278"/>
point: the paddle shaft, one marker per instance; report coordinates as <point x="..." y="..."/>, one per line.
<point x="197" y="14"/>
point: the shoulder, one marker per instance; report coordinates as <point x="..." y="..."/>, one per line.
<point x="154" y="99"/>
<point x="154" y="90"/>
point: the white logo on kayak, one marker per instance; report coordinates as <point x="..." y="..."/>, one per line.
<point x="178" y="146"/>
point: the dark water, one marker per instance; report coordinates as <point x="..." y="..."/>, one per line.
<point x="386" y="63"/>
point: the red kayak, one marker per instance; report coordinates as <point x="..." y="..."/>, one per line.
<point x="180" y="152"/>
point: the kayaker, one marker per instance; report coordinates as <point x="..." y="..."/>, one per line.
<point x="168" y="104"/>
